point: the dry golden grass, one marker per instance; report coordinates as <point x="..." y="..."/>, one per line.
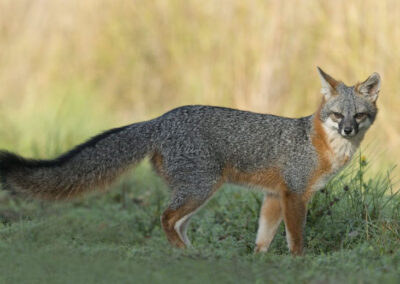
<point x="98" y="63"/>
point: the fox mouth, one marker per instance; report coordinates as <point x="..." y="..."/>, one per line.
<point x="348" y="135"/>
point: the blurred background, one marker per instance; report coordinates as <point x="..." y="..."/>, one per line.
<point x="69" y="69"/>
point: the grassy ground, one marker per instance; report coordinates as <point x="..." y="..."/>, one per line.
<point x="352" y="236"/>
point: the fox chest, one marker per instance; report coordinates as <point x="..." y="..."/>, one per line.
<point x="339" y="155"/>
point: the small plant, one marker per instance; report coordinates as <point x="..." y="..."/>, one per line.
<point x="354" y="209"/>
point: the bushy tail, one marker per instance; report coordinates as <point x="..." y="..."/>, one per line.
<point x="91" y="165"/>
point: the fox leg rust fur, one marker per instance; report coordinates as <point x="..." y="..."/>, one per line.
<point x="294" y="209"/>
<point x="270" y="219"/>
<point x="291" y="208"/>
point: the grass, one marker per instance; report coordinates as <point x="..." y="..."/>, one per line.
<point x="352" y="236"/>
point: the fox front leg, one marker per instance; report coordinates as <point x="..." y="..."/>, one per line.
<point x="294" y="209"/>
<point x="270" y="219"/>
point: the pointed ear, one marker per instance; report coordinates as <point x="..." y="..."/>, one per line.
<point x="328" y="84"/>
<point x="370" y="88"/>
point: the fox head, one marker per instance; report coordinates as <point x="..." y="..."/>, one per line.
<point x="349" y="110"/>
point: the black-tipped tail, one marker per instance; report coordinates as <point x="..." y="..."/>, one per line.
<point x="10" y="162"/>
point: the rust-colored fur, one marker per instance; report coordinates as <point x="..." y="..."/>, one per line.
<point x="270" y="178"/>
<point x="324" y="151"/>
<point x="158" y="163"/>
<point x="270" y="215"/>
<point x="54" y="191"/>
<point x="294" y="213"/>
<point x="169" y="219"/>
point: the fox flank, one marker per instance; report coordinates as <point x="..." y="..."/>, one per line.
<point x="196" y="149"/>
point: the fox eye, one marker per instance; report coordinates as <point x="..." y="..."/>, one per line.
<point x="360" y="115"/>
<point x="337" y="115"/>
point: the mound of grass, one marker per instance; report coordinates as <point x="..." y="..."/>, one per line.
<point x="352" y="235"/>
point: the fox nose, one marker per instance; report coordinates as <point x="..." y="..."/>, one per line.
<point x="348" y="130"/>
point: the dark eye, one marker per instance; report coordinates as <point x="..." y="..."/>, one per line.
<point x="337" y="115"/>
<point x="360" y="115"/>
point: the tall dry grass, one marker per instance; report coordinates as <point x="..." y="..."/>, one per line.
<point x="98" y="63"/>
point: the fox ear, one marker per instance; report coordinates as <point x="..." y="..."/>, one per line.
<point x="370" y="88"/>
<point x="328" y="84"/>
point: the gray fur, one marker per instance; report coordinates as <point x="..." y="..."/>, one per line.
<point x="199" y="141"/>
<point x="196" y="143"/>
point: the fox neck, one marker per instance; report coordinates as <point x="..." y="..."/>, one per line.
<point x="342" y="149"/>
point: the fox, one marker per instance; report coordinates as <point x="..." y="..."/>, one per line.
<point x="197" y="148"/>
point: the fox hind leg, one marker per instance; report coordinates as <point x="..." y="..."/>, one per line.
<point x="270" y="219"/>
<point x="176" y="217"/>
<point x="172" y="221"/>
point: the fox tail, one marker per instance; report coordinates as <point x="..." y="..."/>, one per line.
<point x="91" y="165"/>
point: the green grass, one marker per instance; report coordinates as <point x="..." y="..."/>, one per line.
<point x="352" y="235"/>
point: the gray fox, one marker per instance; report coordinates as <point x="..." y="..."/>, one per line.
<point x="198" y="148"/>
